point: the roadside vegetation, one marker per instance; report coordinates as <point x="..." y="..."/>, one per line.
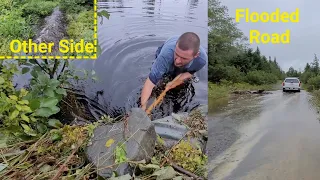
<point x="310" y="78"/>
<point x="232" y="64"/>
<point x="224" y="88"/>
<point x="34" y="143"/>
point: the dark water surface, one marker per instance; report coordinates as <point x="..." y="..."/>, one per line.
<point x="129" y="40"/>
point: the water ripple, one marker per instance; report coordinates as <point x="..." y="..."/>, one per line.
<point x="129" y="39"/>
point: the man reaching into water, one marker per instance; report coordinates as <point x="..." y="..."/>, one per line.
<point x="178" y="55"/>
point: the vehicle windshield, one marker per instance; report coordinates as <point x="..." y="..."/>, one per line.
<point x="291" y="81"/>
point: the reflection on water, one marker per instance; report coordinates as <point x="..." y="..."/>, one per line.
<point x="129" y="40"/>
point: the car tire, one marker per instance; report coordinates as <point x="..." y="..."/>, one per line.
<point x="284" y="90"/>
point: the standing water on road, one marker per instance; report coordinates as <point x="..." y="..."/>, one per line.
<point x="129" y="39"/>
<point x="275" y="136"/>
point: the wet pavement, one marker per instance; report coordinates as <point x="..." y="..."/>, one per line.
<point x="274" y="136"/>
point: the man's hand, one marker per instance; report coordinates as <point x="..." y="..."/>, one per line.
<point x="170" y="86"/>
<point x="178" y="81"/>
<point x="144" y="107"/>
<point x="146" y="92"/>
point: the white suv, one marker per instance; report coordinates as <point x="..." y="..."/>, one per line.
<point x="291" y="84"/>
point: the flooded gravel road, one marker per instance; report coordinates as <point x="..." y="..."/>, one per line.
<point x="274" y="136"/>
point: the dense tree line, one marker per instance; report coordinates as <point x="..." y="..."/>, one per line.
<point x="310" y="75"/>
<point x="230" y="58"/>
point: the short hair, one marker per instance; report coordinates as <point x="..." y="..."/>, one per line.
<point x="189" y="41"/>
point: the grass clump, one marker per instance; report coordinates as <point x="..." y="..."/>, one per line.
<point x="75" y="6"/>
<point x="189" y="158"/>
<point x="42" y="159"/>
<point x="81" y="26"/>
<point x="39" y="7"/>
<point x="12" y="26"/>
<point x="223" y="89"/>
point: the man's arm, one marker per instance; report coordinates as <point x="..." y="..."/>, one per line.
<point x="179" y="80"/>
<point x="146" y="92"/>
<point x="158" y="69"/>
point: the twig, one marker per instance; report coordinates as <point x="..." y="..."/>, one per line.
<point x="171" y="150"/>
<point x="156" y="102"/>
<point x="115" y="164"/>
<point x="67" y="103"/>
<point x="48" y="67"/>
<point x="186" y="172"/>
<point x="32" y="148"/>
<point x="55" y="66"/>
<point x="61" y="169"/>
<point x="41" y="67"/>
<point x="64" y="66"/>
<point x="125" y="126"/>
<point x="182" y="170"/>
<point x="21" y="143"/>
<point x="19" y="161"/>
<point x="79" y="118"/>
<point x="13" y="154"/>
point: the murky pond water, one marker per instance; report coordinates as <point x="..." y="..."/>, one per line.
<point x="129" y="39"/>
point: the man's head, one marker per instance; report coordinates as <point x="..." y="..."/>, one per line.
<point x="187" y="48"/>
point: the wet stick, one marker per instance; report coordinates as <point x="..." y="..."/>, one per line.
<point x="184" y="171"/>
<point x="63" y="167"/>
<point x="175" y="83"/>
<point x="156" y="102"/>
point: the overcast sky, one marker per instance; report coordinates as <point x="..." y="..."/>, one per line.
<point x="305" y="35"/>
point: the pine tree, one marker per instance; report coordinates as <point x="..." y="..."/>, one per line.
<point x="315" y="65"/>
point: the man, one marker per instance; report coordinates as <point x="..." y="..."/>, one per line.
<point x="178" y="55"/>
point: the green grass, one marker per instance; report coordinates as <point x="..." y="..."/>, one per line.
<point x="316" y="98"/>
<point x="18" y="19"/>
<point x="40" y="8"/>
<point x="81" y="26"/>
<point x="224" y="89"/>
<point x="219" y="94"/>
<point x="217" y="91"/>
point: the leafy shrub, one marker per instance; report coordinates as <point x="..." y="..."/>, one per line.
<point x="16" y="113"/>
<point x="74" y="6"/>
<point x="81" y="26"/>
<point x="7" y="4"/>
<point x="316" y="98"/>
<point x="314" y="83"/>
<point x="5" y="46"/>
<point x="260" y="78"/>
<point x="26" y="113"/>
<point x="39" y="7"/>
<point x="229" y="73"/>
<point x="6" y="77"/>
<point x="306" y="76"/>
<point x="188" y="157"/>
<point x="12" y="25"/>
<point x="45" y="94"/>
